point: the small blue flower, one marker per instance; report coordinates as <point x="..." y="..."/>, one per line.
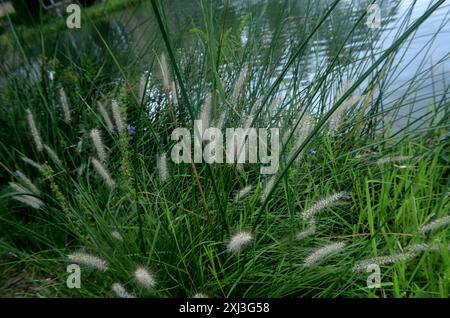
<point x="347" y="195"/>
<point x="312" y="152"/>
<point x="119" y="81"/>
<point x="131" y="130"/>
<point x="263" y="178"/>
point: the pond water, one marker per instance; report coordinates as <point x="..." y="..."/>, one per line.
<point x="427" y="55"/>
<point x="131" y="33"/>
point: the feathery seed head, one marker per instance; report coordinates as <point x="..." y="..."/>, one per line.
<point x="117" y="115"/>
<point x="242" y="193"/>
<point x="29" y="200"/>
<point x="205" y="116"/>
<point x="174" y="94"/>
<point x="164" y="72"/>
<point x="117" y="236"/>
<point x="98" y="144"/>
<point x="239" y="84"/>
<point x="162" y="167"/>
<point x="221" y="121"/>
<point x="310" y="230"/>
<point x="395" y="159"/>
<point x="267" y="188"/>
<point x="52" y="154"/>
<point x="65" y="105"/>
<point x="103" y="173"/>
<point x="323" y="253"/>
<point x="27" y="182"/>
<point x="89" y="260"/>
<point x="322" y="204"/>
<point x="34" y="131"/>
<point x="144" y="278"/>
<point x="105" y="116"/>
<point x="239" y="241"/>
<point x="436" y="224"/>
<point x="33" y="163"/>
<point x="361" y="266"/>
<point x="120" y="291"/>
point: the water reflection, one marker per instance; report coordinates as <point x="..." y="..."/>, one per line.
<point x="133" y="38"/>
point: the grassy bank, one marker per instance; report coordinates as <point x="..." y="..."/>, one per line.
<point x="50" y="24"/>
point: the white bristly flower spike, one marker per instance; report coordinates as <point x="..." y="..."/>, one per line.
<point x="33" y="163"/>
<point x="117" y="236"/>
<point x="409" y="253"/>
<point x="98" y="144"/>
<point x="238" y="84"/>
<point x="65" y="105"/>
<point x="144" y="278"/>
<point x="174" y="94"/>
<point x="105" y="116"/>
<point x="164" y="71"/>
<point x="205" y="116"/>
<point x="361" y="266"/>
<point x="335" y="119"/>
<point x="89" y="260"/>
<point x="199" y="295"/>
<point x="323" y="253"/>
<point x="310" y="230"/>
<point x="27" y="182"/>
<point x="142" y="85"/>
<point x="162" y="167"/>
<point x="116" y="115"/>
<point x="52" y="154"/>
<point x="120" y="291"/>
<point x="322" y="204"/>
<point x="239" y="241"/>
<point x="221" y="121"/>
<point x="29" y="200"/>
<point x="395" y="159"/>
<point x="436" y="224"/>
<point x="34" y="131"/>
<point x="268" y="187"/>
<point x="103" y="173"/>
<point x="243" y="193"/>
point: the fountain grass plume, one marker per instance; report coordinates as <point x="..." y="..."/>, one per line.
<point x="88" y="260"/>
<point x="162" y="167"/>
<point x="53" y="155"/>
<point x="242" y="193"/>
<point x="101" y="109"/>
<point x="34" y="131"/>
<point x="103" y="173"/>
<point x="65" y="105"/>
<point x="98" y="144"/>
<point x="117" y="115"/>
<point x="239" y="241"/>
<point x="32" y="163"/>
<point x="144" y="278"/>
<point x="29" y="200"/>
<point x="120" y="291"/>
<point x="323" y="253"/>
<point x="322" y="204"/>
<point x="436" y="224"/>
